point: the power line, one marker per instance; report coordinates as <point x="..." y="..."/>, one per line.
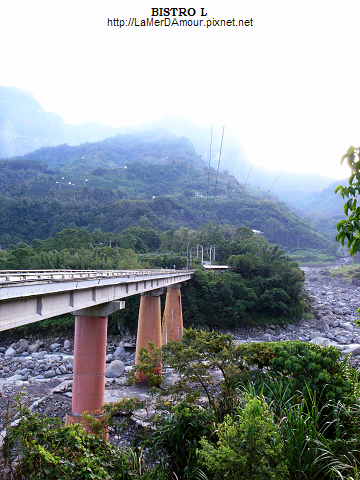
<point x="207" y="193"/>
<point x="247" y="178"/>
<point x="268" y="192"/>
<point x="217" y="172"/>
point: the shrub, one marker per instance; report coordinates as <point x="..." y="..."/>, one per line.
<point x="248" y="446"/>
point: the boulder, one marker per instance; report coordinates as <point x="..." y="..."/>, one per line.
<point x="353" y="348"/>
<point x="119" y="351"/>
<point x="323" y="341"/>
<point x="10" y="352"/>
<point x="38" y="355"/>
<point x="115" y="369"/>
<point x="34" y="347"/>
<point x="23" y="345"/>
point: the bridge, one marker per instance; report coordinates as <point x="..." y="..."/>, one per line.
<point x="91" y="295"/>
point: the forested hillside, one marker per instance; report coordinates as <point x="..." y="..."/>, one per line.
<point x="38" y="202"/>
<point x="148" y="147"/>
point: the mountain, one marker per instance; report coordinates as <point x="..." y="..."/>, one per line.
<point x="104" y="185"/>
<point x="27" y="131"/>
<point x="25" y="126"/>
<point x="207" y="143"/>
<point x="150" y="147"/>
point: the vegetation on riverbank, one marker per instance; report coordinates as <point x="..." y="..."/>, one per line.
<point x="262" y="285"/>
<point x="286" y="410"/>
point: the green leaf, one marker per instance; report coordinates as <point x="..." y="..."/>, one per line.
<point x="343" y="158"/>
<point x="338" y="188"/>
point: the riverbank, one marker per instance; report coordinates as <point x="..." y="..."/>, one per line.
<point x="43" y="367"/>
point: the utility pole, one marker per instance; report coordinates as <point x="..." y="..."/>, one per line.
<point x="202" y="255"/>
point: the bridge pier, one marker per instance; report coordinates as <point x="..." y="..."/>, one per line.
<point x="172" y="325"/>
<point x="149" y="325"/>
<point x="90" y="360"/>
<point x="150" y="328"/>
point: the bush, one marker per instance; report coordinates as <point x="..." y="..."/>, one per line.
<point x="248" y="446"/>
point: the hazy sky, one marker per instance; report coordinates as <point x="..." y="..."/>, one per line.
<point x="288" y="85"/>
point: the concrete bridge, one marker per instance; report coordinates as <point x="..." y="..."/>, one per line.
<point x="91" y="295"/>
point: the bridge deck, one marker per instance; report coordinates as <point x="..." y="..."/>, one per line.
<point x="29" y="296"/>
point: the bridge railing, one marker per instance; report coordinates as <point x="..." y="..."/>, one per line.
<point x="64" y="274"/>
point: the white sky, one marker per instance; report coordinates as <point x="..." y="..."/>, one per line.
<point x="289" y="86"/>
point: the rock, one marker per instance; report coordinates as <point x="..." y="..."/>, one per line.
<point x="67" y="344"/>
<point x="348" y="326"/>
<point x="14" y="378"/>
<point x="50" y="374"/>
<point x="115" y="369"/>
<point x="119" y="352"/>
<point x="38" y="355"/>
<point x="65" y="386"/>
<point x="63" y="369"/>
<point x="323" y="341"/>
<point x="169" y="379"/>
<point x="54" y="346"/>
<point x="354" y="348"/>
<point x="53" y="358"/>
<point x="109" y="358"/>
<point x="10" y="352"/>
<point x="34" y="347"/>
<point x="23" y="345"/>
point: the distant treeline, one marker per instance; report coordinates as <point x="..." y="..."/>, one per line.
<point x="261" y="285"/>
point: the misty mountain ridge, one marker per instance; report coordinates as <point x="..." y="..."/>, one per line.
<point x="25" y="127"/>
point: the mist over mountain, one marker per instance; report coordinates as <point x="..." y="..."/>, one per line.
<point x="149" y="147"/>
<point x="25" y="126"/>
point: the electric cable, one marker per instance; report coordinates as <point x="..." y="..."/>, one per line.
<point x="247" y="178"/>
<point x="268" y="192"/>
<point x="207" y="192"/>
<point x="217" y="172"/>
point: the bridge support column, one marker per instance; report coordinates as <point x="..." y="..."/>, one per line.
<point x="149" y="326"/>
<point x="172" y="325"/>
<point x="90" y="360"/>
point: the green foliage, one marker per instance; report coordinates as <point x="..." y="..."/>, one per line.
<point x="262" y="286"/>
<point x="48" y="450"/>
<point x="247" y="447"/>
<point x="299" y="364"/>
<point x="142" y="196"/>
<point x="349" y="229"/>
<point x="195" y="358"/>
<point x="176" y="438"/>
<point x="148" y="368"/>
<point x="286" y="410"/>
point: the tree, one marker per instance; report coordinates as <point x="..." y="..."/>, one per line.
<point x="349" y="228"/>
